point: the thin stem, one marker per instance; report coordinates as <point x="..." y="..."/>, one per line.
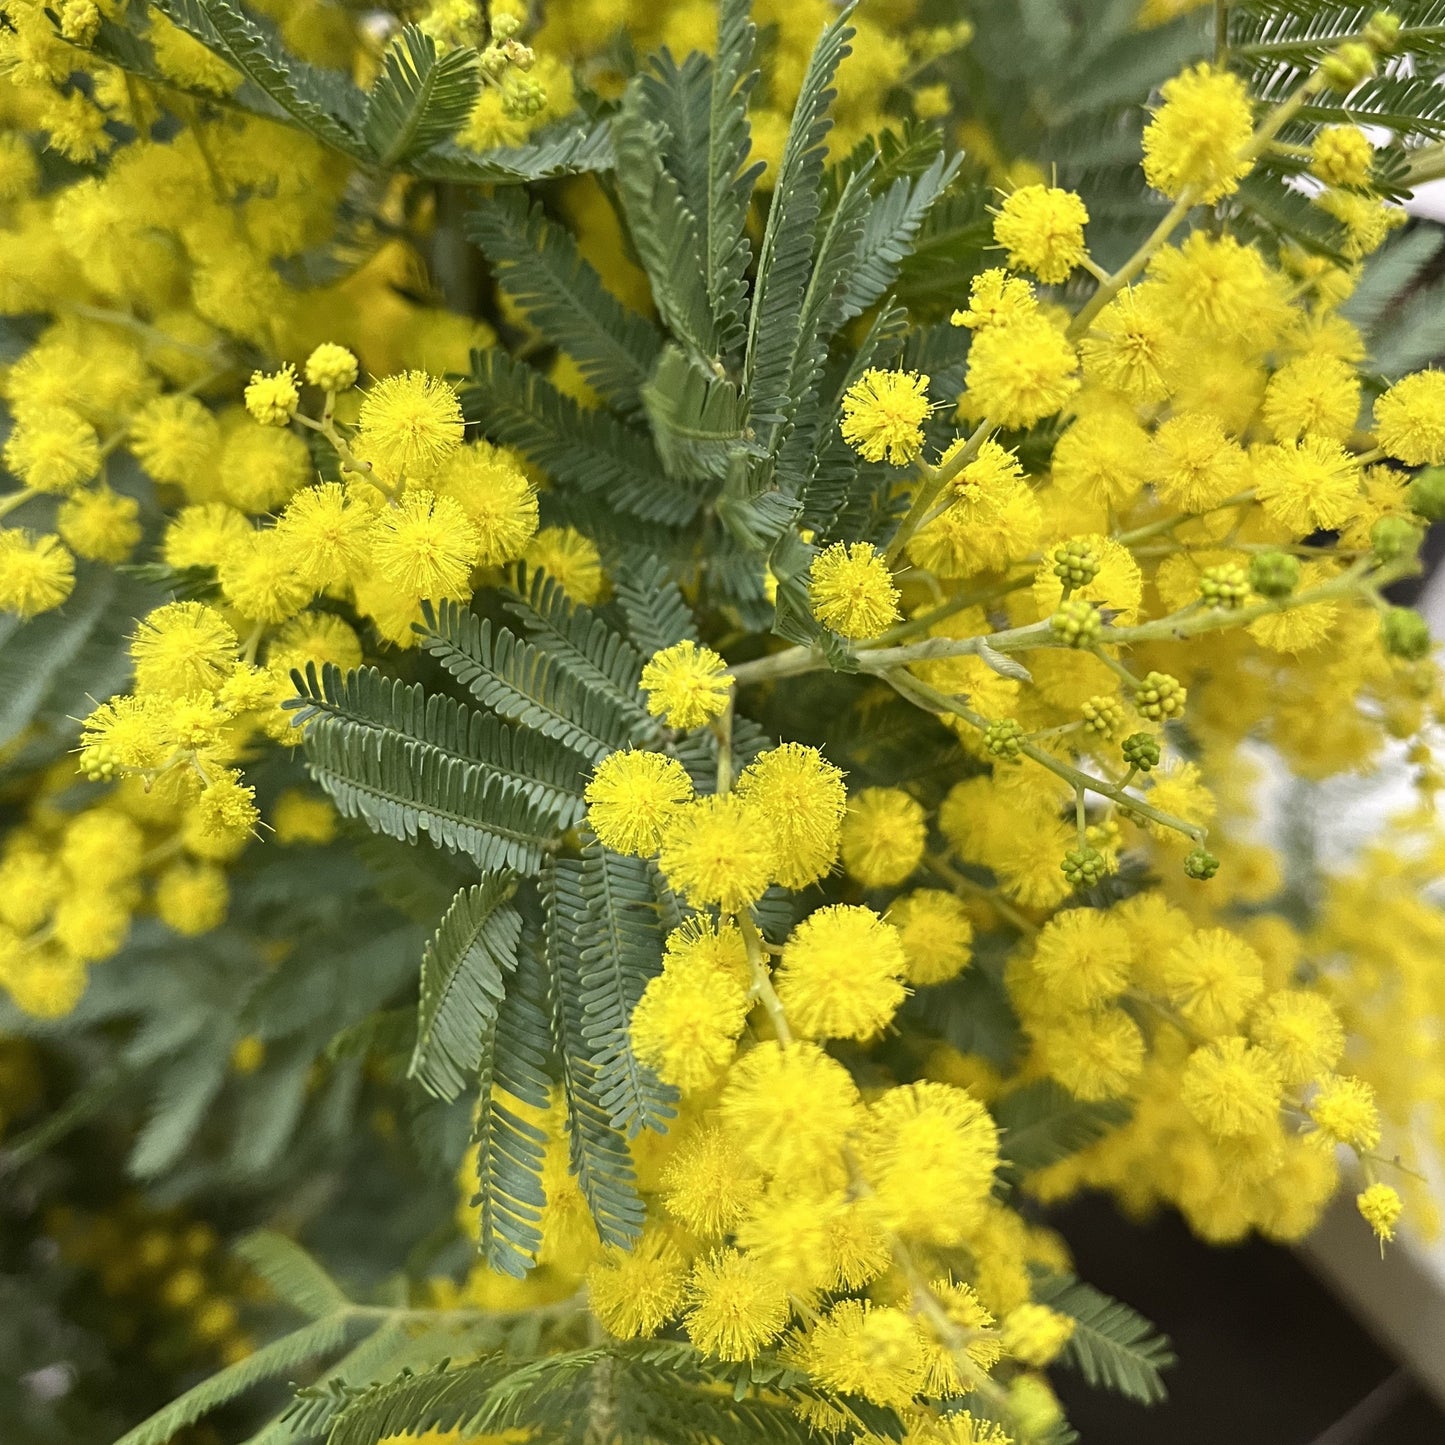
<point x="16" y="499"/>
<point x="761" y="986"/>
<point x="933" y="480"/>
<point x="930" y="700"/>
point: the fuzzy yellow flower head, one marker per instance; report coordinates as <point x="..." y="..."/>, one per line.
<point x="53" y="450"/>
<point x="1380" y="1207"/>
<point x="801" y="795"/>
<point x="332" y="367"/>
<point x="272" y="398"/>
<point x="687" y="1022"/>
<point x="1035" y="1334"/>
<point x="408" y="425"/>
<point x="635" y="1292"/>
<point x="852" y="590"/>
<point x="1043" y="229"/>
<point x="1232" y="1089"/>
<point x="181" y="649"/>
<point x="842" y="973"/>
<point x="884" y="832"/>
<point x="734" y="1307"/>
<point x="1301" y="1032"/>
<point x="936" y="933"/>
<point x="719" y="851"/>
<point x="1021" y="371"/>
<point x="571" y="559"/>
<point x="1410" y="419"/>
<point x="686" y="684"/>
<point x="709" y="1183"/>
<point x="1197" y="138"/>
<point x="424" y="546"/>
<point x="36" y="573"/>
<point x="883" y="415"/>
<point x="930" y="1151"/>
<point x="994" y="299"/>
<point x="632" y="797"/>
<point x="1341" y="155"/>
<point x="1344" y="1111"/>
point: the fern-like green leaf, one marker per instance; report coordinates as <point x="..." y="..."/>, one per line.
<point x="462" y="983"/>
<point x="406" y="763"/>
<point x="566" y="149"/>
<point x="590" y="452"/>
<point x="619" y="950"/>
<point x="529" y="685"/>
<point x="656" y="611"/>
<point x="538" y="265"/>
<point x="581" y="643"/>
<point x="184" y="1092"/>
<point x="1112" y="1345"/>
<point x="323" y="103"/>
<point x="731" y="177"/>
<point x="665" y="232"/>
<point x="420" y="97"/>
<point x="516" y="1069"/>
<point x="697" y="418"/>
<point x="293" y="1274"/>
<point x="271" y="1361"/>
<point x="599" y="1155"/>
<point x="785" y="259"/>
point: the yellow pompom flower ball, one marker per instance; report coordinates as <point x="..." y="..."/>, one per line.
<point x="1036" y="1334"/>
<point x="634" y="1292"/>
<point x="1232" y="1088"/>
<point x="718" y="851"/>
<point x="327" y="535"/>
<point x="632" y="798"/>
<point x="181" y="649"/>
<point x="499" y="500"/>
<point x="930" y="1151"/>
<point x="1196" y="140"/>
<point x="1341" y="155"/>
<point x="687" y="1022"/>
<point x="571" y="560"/>
<point x="801" y="795"/>
<point x="192" y="897"/>
<point x="1344" y="1111"/>
<point x="1301" y="1032"/>
<point x="883" y="415"/>
<point x="1021" y="371"/>
<point x="936" y="933"/>
<point x="1380" y="1207"/>
<point x="709" y="1184"/>
<point x="53" y="450"/>
<point x="1410" y="419"/>
<point x="734" y="1306"/>
<point x="1213" y="978"/>
<point x="842" y="973"/>
<point x="852" y="591"/>
<point x="99" y="524"/>
<point x="1312" y="394"/>
<point x="884" y="831"/>
<point x="408" y="425"/>
<point x="272" y="398"/>
<point x="332" y="367"/>
<point x="1042" y="228"/>
<point x="686" y="684"/>
<point x="424" y="546"/>
<point x="36" y="573"/>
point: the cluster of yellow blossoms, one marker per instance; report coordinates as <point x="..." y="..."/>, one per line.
<point x="1183" y="560"/>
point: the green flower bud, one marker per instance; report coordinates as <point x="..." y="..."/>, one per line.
<point x="1077" y="622"/>
<point x="1273" y="574"/>
<point x="1225" y="586"/>
<point x="1393" y="538"/>
<point x="1076" y="563"/>
<point x="1348" y="65"/>
<point x="1427" y="494"/>
<point x="1404" y="633"/>
<point x="1104" y="715"/>
<point x="1160" y="696"/>
<point x="1084" y="867"/>
<point x="522" y="97"/>
<point x="1383" y="31"/>
<point x="1201" y="864"/>
<point x="1004" y="739"/>
<point x="1141" y="750"/>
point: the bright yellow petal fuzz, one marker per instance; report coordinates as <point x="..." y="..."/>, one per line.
<point x="852" y="590"/>
<point x="686" y="685"/>
<point x="633" y="797"/>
